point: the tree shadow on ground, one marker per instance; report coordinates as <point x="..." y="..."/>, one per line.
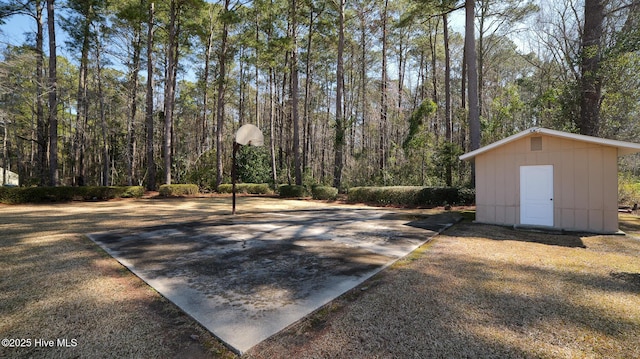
<point x="253" y="267"/>
<point x="291" y="252"/>
<point x="56" y="283"/>
<point x="450" y="305"/>
<point x="503" y="233"/>
<point x="629" y="223"/>
<point x="631" y="278"/>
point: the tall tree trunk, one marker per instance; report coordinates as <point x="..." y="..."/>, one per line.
<point x="53" y="95"/>
<point x="5" y="150"/>
<point x="383" y="96"/>
<point x="306" y="121"/>
<point x="176" y="49"/>
<point x="353" y="103"/>
<point x="402" y="63"/>
<point x="363" y="76"/>
<point x="205" y="141"/>
<point x="340" y="127"/>
<point x="82" y="116"/>
<point x="222" y="62"/>
<point x="283" y="139"/>
<point x="241" y="87"/>
<point x="257" y="71"/>
<point x="434" y="78"/>
<point x="463" y="97"/>
<point x="41" y="122"/>
<point x="480" y="51"/>
<point x="169" y="93"/>
<point x="134" y="69"/>
<point x="151" y="167"/>
<point x="418" y="96"/>
<point x="295" y="117"/>
<point x="447" y="96"/>
<point x="104" y="178"/>
<point x="591" y="84"/>
<point x="272" y="128"/>
<point x="472" y="76"/>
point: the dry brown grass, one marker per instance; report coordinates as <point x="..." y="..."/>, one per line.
<point x="476" y="291"/>
<point x="57" y="284"/>
<point x="489" y="292"/>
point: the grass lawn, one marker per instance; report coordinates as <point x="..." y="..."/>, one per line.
<point x="57" y="284"/>
<point x="476" y="290"/>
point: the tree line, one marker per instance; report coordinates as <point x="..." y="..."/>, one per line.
<point x="346" y="92"/>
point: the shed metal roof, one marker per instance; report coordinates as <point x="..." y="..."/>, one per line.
<point x="624" y="148"/>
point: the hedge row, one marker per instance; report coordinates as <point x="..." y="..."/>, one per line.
<point x="411" y="196"/>
<point x="15" y="195"/>
<point x="292" y="191"/>
<point x="284" y="191"/>
<point x="249" y="188"/>
<point x="177" y="190"/>
<point x="324" y="193"/>
<point x="399" y="195"/>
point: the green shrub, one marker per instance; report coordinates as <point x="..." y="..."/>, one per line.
<point x="16" y="195"/>
<point x="292" y="191"/>
<point x="177" y="190"/>
<point x="411" y="196"/>
<point x="628" y="190"/>
<point x="466" y="196"/>
<point x="630" y="194"/>
<point x="254" y="164"/>
<point x="132" y="192"/>
<point x="437" y="196"/>
<point x="249" y="188"/>
<point x="203" y="172"/>
<point x="399" y="195"/>
<point x="111" y="192"/>
<point x="324" y="193"/>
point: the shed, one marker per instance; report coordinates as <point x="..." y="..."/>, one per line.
<point x="547" y="178"/>
<point x="8" y="178"/>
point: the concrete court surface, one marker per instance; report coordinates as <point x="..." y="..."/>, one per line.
<point x="249" y="276"/>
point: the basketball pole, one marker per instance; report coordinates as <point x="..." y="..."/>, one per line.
<point x="248" y="135"/>
<point x="236" y="146"/>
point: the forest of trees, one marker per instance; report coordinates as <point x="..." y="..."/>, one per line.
<point x="346" y="92"/>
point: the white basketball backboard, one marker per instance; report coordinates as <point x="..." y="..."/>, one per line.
<point x="249" y="135"/>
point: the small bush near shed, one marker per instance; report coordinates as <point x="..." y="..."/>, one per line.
<point x="15" y="195"/>
<point x="292" y="191"/>
<point x="324" y="193"/>
<point x="437" y="196"/>
<point x="249" y="188"/>
<point x="628" y="190"/>
<point x="466" y="196"/>
<point x="177" y="190"/>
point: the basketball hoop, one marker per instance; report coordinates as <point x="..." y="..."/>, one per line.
<point x="247" y="135"/>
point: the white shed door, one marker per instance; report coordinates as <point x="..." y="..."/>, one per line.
<point x="536" y="195"/>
